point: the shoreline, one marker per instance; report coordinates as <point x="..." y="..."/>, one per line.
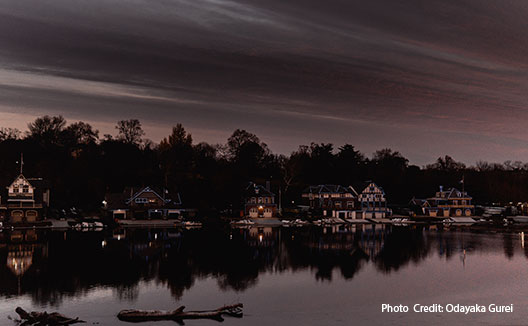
<point x="474" y="222"/>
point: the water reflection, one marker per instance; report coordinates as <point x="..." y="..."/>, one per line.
<point x="52" y="266"/>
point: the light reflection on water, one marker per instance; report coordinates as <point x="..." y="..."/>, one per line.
<point x="309" y="276"/>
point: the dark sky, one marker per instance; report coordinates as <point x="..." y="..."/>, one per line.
<point x="426" y="78"/>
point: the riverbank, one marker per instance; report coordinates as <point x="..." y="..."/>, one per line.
<point x="472" y="221"/>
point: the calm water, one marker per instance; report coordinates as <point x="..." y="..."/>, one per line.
<point x="303" y="276"/>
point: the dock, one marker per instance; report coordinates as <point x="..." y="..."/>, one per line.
<point x="150" y="223"/>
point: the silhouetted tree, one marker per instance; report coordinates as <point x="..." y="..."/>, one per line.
<point x="81" y="133"/>
<point x="9" y="133"/>
<point x="245" y="147"/>
<point x="177" y="161"/>
<point x="130" y="131"/>
<point x="81" y="167"/>
<point x="447" y="163"/>
<point x="179" y="137"/>
<point x="47" y="129"/>
<point x="350" y="164"/>
<point x="390" y="159"/>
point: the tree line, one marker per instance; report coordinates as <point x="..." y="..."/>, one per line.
<point x="81" y="166"/>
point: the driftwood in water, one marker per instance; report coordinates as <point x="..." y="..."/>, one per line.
<point x="45" y="319"/>
<point x="179" y="315"/>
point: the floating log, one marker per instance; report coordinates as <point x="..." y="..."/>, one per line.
<point x="45" y="319"/>
<point x="179" y="315"/>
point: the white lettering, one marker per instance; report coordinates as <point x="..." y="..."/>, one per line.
<point x="432" y="308"/>
<point x="465" y="309"/>
<point x="494" y="308"/>
<point x="388" y="308"/>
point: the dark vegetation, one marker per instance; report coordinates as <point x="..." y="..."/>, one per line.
<point x="81" y="166"/>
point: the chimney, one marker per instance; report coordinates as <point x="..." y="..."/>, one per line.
<point x="267" y="185"/>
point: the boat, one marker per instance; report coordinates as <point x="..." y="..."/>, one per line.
<point x="243" y="222"/>
<point x="192" y="223"/>
<point x="520" y="219"/>
<point x="296" y="222"/>
<point x="329" y="221"/>
<point x="299" y="222"/>
<point x="463" y="220"/>
<point x="89" y="225"/>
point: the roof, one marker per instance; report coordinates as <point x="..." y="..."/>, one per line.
<point x="136" y="192"/>
<point x="453" y="193"/>
<point x="419" y="202"/>
<point x="120" y="200"/>
<point x="40" y="186"/>
<point x="257" y="190"/>
<point x="330" y="189"/>
<point x="33" y="182"/>
<point x="367" y="184"/>
<point x="21" y="176"/>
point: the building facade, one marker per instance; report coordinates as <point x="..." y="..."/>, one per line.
<point x="143" y="203"/>
<point x="259" y="201"/>
<point x="449" y="202"/>
<point x="372" y="202"/>
<point x="331" y="200"/>
<point x="418" y="206"/>
<point x="27" y="200"/>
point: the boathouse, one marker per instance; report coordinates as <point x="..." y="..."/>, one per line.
<point x="449" y="202"/>
<point x="27" y="200"/>
<point x="143" y="203"/>
<point x="331" y="200"/>
<point x="259" y="201"/>
<point x="372" y="202"/>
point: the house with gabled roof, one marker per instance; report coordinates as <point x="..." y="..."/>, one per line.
<point x="143" y="202"/>
<point x="372" y="202"/>
<point x="331" y="200"/>
<point x="27" y="200"/>
<point x="259" y="201"/>
<point x="450" y="202"/>
<point x="418" y="206"/>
